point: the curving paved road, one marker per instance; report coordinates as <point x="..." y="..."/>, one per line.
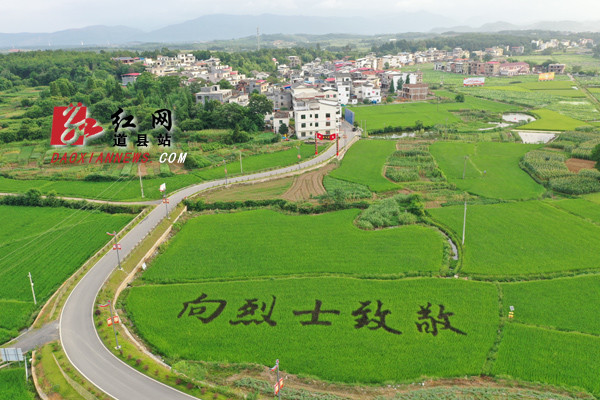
<point x="77" y="332"/>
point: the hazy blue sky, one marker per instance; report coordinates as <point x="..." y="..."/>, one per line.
<point x="49" y="16"/>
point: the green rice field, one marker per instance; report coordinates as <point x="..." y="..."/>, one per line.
<point x="501" y="238"/>
<point x="364" y="163"/>
<point x="51" y="243"/>
<point x="492" y="169"/>
<point x="217" y="246"/>
<point x="343" y="350"/>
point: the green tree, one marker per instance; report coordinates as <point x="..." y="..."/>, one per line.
<point x="460" y="98"/>
<point x="224" y="84"/>
<point x="260" y="104"/>
<point x="145" y="83"/>
<point x="596" y="156"/>
<point x="391" y="91"/>
<point x="283" y="129"/>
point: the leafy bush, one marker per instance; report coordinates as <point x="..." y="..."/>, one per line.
<point x="196" y="161"/>
<point x="398" y="210"/>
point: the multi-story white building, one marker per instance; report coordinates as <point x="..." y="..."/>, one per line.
<point x="365" y="90"/>
<point x="315" y="111"/>
<point x="213" y="92"/>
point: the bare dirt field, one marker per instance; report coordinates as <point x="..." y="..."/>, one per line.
<point x="576" y="164"/>
<point x="308" y="184"/>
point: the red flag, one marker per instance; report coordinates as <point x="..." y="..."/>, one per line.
<point x="319" y="136"/>
<point x="333" y="136"/>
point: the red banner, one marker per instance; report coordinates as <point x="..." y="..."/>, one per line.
<point x="321" y="136"/>
<point x="278" y="385"/>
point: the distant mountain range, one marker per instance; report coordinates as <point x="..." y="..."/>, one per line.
<point x="224" y="27"/>
<point x="562" y="26"/>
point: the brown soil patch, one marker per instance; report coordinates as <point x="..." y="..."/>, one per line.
<point x="434" y="203"/>
<point x="576" y="164"/>
<point x="308" y="184"/>
<point x="356" y="392"/>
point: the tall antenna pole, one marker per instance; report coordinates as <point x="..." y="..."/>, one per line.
<point x="258" y="38"/>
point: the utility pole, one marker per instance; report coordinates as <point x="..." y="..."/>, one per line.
<point x="465" y="166"/>
<point x="464" y="221"/>
<point x="279" y="391"/>
<point x="116" y="247"/>
<point x="166" y="201"/>
<point x="241" y="167"/>
<point x="113" y="322"/>
<point x="32" y="290"/>
<point x="141" y="186"/>
<point x="225" y="166"/>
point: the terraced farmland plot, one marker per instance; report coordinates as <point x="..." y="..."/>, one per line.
<point x="364" y="163"/>
<point x="548" y="356"/>
<point x="523" y="238"/>
<point x="268" y="243"/>
<point x="492" y="169"/>
<point x="341" y="351"/>
<point x="51" y="243"/>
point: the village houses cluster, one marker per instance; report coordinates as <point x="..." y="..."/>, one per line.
<point x="314" y="92"/>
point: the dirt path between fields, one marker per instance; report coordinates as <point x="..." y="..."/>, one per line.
<point x="308" y="184"/>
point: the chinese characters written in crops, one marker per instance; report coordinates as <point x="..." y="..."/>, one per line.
<point x="370" y="314"/>
<point x="121" y="120"/>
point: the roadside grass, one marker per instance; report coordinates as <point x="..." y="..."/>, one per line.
<point x="257" y="191"/>
<point x="52" y="380"/>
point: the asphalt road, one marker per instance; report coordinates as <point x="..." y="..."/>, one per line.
<point x="77" y="332"/>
